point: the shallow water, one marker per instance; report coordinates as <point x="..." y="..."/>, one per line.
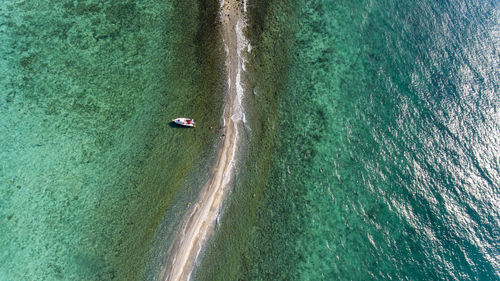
<point x="89" y="162"/>
<point x="384" y="162"/>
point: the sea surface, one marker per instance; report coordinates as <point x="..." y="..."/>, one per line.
<point x="93" y="176"/>
<point x="371" y="146"/>
<point x="374" y="144"/>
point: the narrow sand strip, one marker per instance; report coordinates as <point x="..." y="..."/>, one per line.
<point x="199" y="224"/>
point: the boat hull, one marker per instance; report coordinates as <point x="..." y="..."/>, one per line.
<point x="186" y="122"/>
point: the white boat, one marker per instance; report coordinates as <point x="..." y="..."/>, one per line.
<point x="187" y="122"/>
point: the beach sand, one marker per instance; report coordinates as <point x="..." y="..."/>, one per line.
<point x="200" y="221"/>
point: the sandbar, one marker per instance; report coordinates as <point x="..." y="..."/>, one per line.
<point x="201" y="219"/>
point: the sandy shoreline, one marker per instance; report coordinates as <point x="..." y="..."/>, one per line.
<point x="200" y="222"/>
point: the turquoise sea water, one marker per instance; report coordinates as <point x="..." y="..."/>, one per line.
<point x="372" y="142"/>
<point x="384" y="160"/>
<point x="89" y="164"/>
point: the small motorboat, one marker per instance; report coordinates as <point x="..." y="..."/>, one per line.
<point x="187" y="122"/>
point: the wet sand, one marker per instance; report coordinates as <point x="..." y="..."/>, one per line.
<point x="200" y="222"/>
